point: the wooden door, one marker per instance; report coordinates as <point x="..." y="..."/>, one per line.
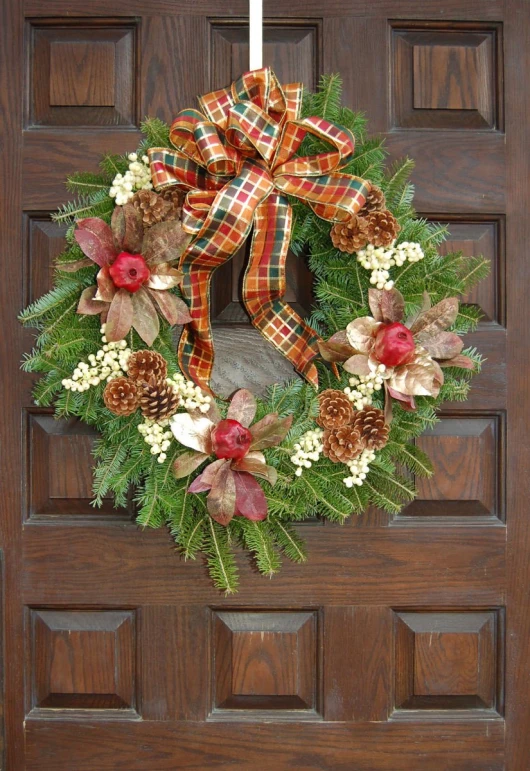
<point x="404" y="643"/>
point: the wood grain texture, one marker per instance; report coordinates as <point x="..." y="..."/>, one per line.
<point x="81" y="73"/>
<point x="425" y="566"/>
<point x="448" y="661"/>
<point x="307" y="747"/>
<point x="266" y="662"/>
<point x="407" y="9"/>
<point x="481" y="236"/>
<point x="357" y="676"/>
<point x="11" y="271"/>
<point x="174" y="662"/>
<point x="446" y="76"/>
<point x="82" y="660"/>
<point x="517" y="30"/>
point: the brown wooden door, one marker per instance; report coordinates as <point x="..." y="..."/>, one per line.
<point x="404" y="643"/>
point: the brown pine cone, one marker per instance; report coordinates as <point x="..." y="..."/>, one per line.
<point x="144" y="365"/>
<point x="152" y="206"/>
<point x="350" y="236"/>
<point x="381" y="228"/>
<point x="121" y="396"/>
<point x="342" y="444"/>
<point x="372" y="428"/>
<point x="158" y="400"/>
<point x="375" y="201"/>
<point x="175" y="198"/>
<point x="335" y="409"/>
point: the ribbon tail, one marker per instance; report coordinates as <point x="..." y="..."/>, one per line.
<point x="225" y="228"/>
<point x="264" y="285"/>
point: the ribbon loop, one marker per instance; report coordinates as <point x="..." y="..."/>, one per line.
<point x="237" y="160"/>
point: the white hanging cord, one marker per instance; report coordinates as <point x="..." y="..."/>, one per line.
<point x="255" y="12"/>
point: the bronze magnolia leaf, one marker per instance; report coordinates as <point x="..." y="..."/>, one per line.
<point x="387" y="305"/>
<point x="145" y="318"/>
<point x="127" y="228"/>
<point x="88" y="305"/>
<point x="192" y="431"/>
<point x="205" y="480"/>
<point x="120" y="317"/>
<point x="94" y="237"/>
<point x="406" y="401"/>
<point x="106" y="288"/>
<point x="269" y="431"/>
<point x="258" y="468"/>
<point x="419" y="378"/>
<point x="438" y="318"/>
<point x="221" y="500"/>
<point x="188" y="462"/>
<point x="163" y="276"/>
<point x="462" y="362"/>
<point x="164" y="242"/>
<point x="357" y="365"/>
<point x="250" y="498"/>
<point x="242" y="407"/>
<point x="335" y="352"/>
<point x="73" y="267"/>
<point x="361" y="333"/>
<point x="172" y="308"/>
<point x="425" y="306"/>
<point x="444" y="345"/>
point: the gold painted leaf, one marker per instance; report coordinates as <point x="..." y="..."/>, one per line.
<point x="145" y="318"/>
<point x="357" y="365"/>
<point x="204" y="481"/>
<point x="387" y="305"/>
<point x="444" y="345"/>
<point x="221" y="500"/>
<point x="361" y="333"/>
<point x="127" y="228"/>
<point x="193" y="432"/>
<point x="436" y="319"/>
<point x="269" y="431"/>
<point x="172" y="308"/>
<point x="106" y="287"/>
<point x="88" y="305"/>
<point x="120" y="317"/>
<point x="188" y="462"/>
<point x="94" y="237"/>
<point x="164" y="242"/>
<point x="242" y="407"/>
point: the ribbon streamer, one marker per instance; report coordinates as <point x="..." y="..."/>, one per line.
<point x="237" y="161"/>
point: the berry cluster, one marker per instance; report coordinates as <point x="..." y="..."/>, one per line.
<point x="156" y="435"/>
<point x="362" y="387"/>
<point x="109" y="362"/>
<point x="138" y="177"/>
<point x="380" y="259"/>
<point x="192" y="397"/>
<point x="359" y="468"/>
<point x="308" y="449"/>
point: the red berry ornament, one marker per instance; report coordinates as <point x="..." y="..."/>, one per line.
<point x="129" y="271"/>
<point x="394" y="345"/>
<point x="230" y="439"/>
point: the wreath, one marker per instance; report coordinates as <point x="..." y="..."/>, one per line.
<point x="379" y="354"/>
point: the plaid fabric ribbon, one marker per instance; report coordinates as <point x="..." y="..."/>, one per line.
<point x="237" y="161"/>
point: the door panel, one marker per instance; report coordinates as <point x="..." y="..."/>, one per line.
<point x="404" y="642"/>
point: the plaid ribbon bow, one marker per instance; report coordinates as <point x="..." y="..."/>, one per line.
<point x="237" y="161"/>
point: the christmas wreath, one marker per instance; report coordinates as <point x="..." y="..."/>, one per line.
<point x="381" y="351"/>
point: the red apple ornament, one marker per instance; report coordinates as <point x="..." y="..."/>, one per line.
<point x="394" y="345"/>
<point x="230" y="439"/>
<point x="129" y="271"/>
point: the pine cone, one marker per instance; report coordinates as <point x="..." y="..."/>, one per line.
<point x="144" y="365"/>
<point x="343" y="444"/>
<point x="335" y="409"/>
<point x="158" y="400"/>
<point x="152" y="206"/>
<point x="121" y="396"/>
<point x="372" y="428"/>
<point x="350" y="236"/>
<point x="175" y="198"/>
<point x="382" y="228"/>
<point x="375" y="201"/>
